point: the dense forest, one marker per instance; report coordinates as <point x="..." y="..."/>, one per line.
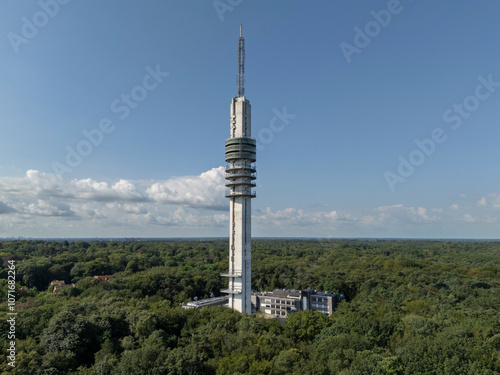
<point x="412" y="307"/>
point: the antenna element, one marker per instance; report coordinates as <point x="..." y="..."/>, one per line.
<point x="241" y="65"/>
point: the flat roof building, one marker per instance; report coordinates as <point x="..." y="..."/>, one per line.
<point x="282" y="302"/>
<point x="279" y="302"/>
<point x="207" y="302"/>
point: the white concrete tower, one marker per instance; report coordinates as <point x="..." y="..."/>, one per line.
<point x="240" y="176"/>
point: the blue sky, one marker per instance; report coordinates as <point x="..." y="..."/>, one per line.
<point x="342" y="95"/>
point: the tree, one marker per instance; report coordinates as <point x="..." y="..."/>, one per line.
<point x="99" y="266"/>
<point x="150" y="359"/>
<point x="35" y="273"/>
<point x="71" y="336"/>
<point x="305" y="325"/>
<point x="184" y="361"/>
<point x="142" y="323"/>
<point x="285" y="361"/>
<point x="58" y="272"/>
<point x="77" y="271"/>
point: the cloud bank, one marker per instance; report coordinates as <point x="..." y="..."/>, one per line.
<point x="115" y="207"/>
<point x="46" y="205"/>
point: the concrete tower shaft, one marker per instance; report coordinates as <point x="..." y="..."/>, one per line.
<point x="240" y="175"/>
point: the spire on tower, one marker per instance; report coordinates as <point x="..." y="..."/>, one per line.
<point x="241" y="65"/>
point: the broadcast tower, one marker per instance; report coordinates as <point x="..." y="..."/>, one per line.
<point x="240" y="176"/>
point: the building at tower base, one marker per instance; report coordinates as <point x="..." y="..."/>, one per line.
<point x="282" y="302"/>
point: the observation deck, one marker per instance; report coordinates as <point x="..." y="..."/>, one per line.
<point x="234" y="194"/>
<point x="241" y="148"/>
<point x="240" y="171"/>
<point x="235" y="167"/>
<point x="239" y="183"/>
<point x="237" y="172"/>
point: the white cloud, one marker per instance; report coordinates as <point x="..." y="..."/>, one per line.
<point x="399" y="213"/>
<point x="89" y="189"/>
<point x="496" y="202"/>
<point x="46" y="205"/>
<point x="48" y="186"/>
<point x="183" y="218"/>
<point x="491" y="200"/>
<point x="468" y="218"/>
<point x="206" y="190"/>
<point x="5" y="209"/>
<point x="490" y="219"/>
<point x="42" y="208"/>
<point x="87" y="210"/>
<point x="26" y="200"/>
<point x="298" y="217"/>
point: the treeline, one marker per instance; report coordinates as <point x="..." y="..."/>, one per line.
<point x="412" y="307"/>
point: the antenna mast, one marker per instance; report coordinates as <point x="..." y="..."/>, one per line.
<point x="241" y="65"/>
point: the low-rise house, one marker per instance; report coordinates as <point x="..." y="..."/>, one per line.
<point x="103" y="277"/>
<point x="59" y="284"/>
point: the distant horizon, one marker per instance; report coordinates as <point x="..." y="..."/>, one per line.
<point x="253" y="238"/>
